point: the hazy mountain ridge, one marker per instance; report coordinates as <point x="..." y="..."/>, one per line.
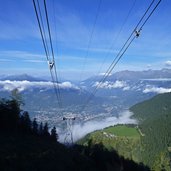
<point x="124" y="88"/>
<point x="133" y="85"/>
<point x="120" y="75"/>
<point x="119" y="87"/>
<point x="133" y="76"/>
<point x="22" y="77"/>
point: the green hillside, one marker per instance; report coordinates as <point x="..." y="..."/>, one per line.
<point x="156" y="106"/>
<point x="149" y="142"/>
<point x="154" y="117"/>
<point x="125" y="139"/>
<point x="123" y="130"/>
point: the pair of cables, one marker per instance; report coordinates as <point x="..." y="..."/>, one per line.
<point x="134" y="34"/>
<point x="49" y="52"/>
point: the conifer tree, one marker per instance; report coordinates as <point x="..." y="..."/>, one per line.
<point x="45" y="130"/>
<point x="35" y="126"/>
<point x="25" y="122"/>
<point x="41" y="128"/>
<point x="54" y="135"/>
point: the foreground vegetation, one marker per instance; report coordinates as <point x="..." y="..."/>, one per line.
<point x="27" y="145"/>
<point x="149" y="142"/>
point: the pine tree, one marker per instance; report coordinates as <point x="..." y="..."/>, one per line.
<point x="45" y="130"/>
<point x="35" y="126"/>
<point x="54" y="135"/>
<point x="25" y="122"/>
<point x="27" y="119"/>
<point x="41" y="128"/>
<point x="10" y="113"/>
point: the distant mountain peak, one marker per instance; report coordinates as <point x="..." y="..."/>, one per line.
<point x="22" y="77"/>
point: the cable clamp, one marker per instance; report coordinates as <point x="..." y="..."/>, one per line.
<point x="51" y="64"/>
<point x="137" y="33"/>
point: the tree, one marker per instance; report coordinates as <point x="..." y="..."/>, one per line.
<point x="35" y="126"/>
<point x="25" y="122"/>
<point x="41" y="128"/>
<point x="27" y="119"/>
<point x="9" y="114"/>
<point x="46" y="130"/>
<point x="54" y="135"/>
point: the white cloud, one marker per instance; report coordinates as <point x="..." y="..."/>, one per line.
<point x="158" y="90"/>
<point x="104" y="74"/>
<point x="110" y="85"/>
<point x="80" y="130"/>
<point x="126" y="88"/>
<point x="168" y="63"/>
<point x="67" y="84"/>
<point x="8" y="85"/>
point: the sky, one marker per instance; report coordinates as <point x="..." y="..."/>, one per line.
<point x="86" y="36"/>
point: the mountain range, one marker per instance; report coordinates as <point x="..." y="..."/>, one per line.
<point x="118" y="92"/>
<point x="21" y="77"/>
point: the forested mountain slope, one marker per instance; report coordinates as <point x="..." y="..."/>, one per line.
<point x="154" y="117"/>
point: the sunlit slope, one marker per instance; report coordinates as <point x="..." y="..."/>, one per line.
<point x="123" y="130"/>
<point x="123" y="138"/>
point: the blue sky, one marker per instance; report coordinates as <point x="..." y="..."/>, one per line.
<point x="21" y="49"/>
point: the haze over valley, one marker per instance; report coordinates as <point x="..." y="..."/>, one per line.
<point x="109" y="106"/>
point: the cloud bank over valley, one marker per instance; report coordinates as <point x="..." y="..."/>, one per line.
<point x="8" y="85"/>
<point x="80" y="130"/>
<point x="158" y="90"/>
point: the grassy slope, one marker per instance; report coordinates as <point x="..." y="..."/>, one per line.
<point x="124" y="139"/>
<point x="123" y="130"/>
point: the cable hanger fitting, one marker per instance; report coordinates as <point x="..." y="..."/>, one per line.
<point x="51" y="64"/>
<point x="137" y="33"/>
